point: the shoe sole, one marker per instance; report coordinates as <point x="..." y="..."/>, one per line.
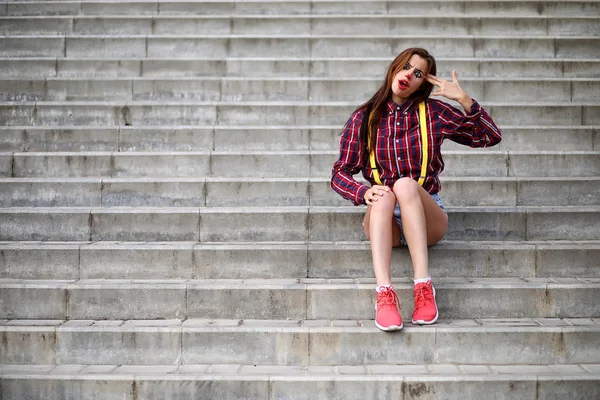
<point x="421" y="322"/>
<point x="391" y="328"/>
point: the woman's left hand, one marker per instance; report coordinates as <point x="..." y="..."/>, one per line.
<point x="451" y="90"/>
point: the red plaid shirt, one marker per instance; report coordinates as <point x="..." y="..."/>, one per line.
<point x="398" y="148"/>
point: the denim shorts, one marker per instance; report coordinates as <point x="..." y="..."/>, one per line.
<point x="437" y="199"/>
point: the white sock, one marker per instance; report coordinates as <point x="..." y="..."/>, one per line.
<point x="423" y="280"/>
<point x="381" y="287"/>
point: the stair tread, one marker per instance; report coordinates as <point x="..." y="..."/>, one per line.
<point x="482" y="15"/>
<point x="467" y="151"/>
<point x="291" y="244"/>
<point x="301" y="103"/>
<point x="280" y="78"/>
<point x="304" y="283"/>
<point x="295" y="59"/>
<point x="305" y="372"/>
<point x="200" y="179"/>
<point x="308" y="36"/>
<point x="285" y="209"/>
<point x="509" y="325"/>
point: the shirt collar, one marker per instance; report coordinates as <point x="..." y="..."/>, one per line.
<point x="391" y="106"/>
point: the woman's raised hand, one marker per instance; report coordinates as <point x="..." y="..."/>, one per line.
<point x="451" y="90"/>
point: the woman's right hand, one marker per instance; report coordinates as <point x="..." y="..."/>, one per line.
<point x="374" y="193"/>
<point x="451" y="90"/>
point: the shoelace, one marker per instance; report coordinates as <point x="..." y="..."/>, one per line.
<point x="422" y="295"/>
<point x="387" y="297"/>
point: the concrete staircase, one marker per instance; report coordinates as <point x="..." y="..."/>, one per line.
<point x="168" y="231"/>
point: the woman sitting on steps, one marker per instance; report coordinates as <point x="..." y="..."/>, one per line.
<point x="395" y="140"/>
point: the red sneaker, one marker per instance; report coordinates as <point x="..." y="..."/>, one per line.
<point x="388" y="311"/>
<point x="426" y="311"/>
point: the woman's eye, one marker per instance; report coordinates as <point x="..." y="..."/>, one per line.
<point x="407" y="66"/>
<point x="419" y="74"/>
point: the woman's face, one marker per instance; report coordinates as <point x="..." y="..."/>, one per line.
<point x="409" y="78"/>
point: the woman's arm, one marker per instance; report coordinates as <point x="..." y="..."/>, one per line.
<point x="350" y="162"/>
<point x="476" y="128"/>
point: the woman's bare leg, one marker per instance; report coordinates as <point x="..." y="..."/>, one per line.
<point x="424" y="223"/>
<point x="383" y="232"/>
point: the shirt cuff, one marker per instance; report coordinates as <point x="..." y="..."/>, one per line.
<point x="360" y="195"/>
<point x="475" y="108"/>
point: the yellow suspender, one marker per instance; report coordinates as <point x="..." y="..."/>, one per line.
<point x="424" y="147"/>
<point x="424" y="142"/>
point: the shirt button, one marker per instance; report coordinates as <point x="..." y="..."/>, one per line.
<point x="397" y="123"/>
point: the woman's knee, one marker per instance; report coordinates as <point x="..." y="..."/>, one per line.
<point x="406" y="189"/>
<point x="384" y="204"/>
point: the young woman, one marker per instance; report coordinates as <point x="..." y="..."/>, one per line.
<point x="384" y="139"/>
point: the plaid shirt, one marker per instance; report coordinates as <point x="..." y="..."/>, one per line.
<point x="398" y="148"/>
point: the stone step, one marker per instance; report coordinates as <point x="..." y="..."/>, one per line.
<point x="277" y="260"/>
<point x="238" y="113"/>
<point x="301" y="66"/>
<point x="539" y="339"/>
<point x="258" y="138"/>
<point x="339" y="382"/>
<point x="293" y="342"/>
<point x="404" y="7"/>
<point x="389" y="24"/>
<point x="282" y="224"/>
<point x="237" y="192"/>
<point x="311" y="299"/>
<point x="537" y="90"/>
<point x="227" y="45"/>
<point x="298" y="164"/>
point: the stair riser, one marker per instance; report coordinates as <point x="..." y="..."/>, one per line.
<point x="314" y="165"/>
<point x="99" y="114"/>
<point x="430" y="8"/>
<point x="190" y="261"/>
<point x="60" y="389"/>
<point x="123" y="138"/>
<point x="326" y="346"/>
<point x="289" y="25"/>
<point x="130" y="388"/>
<point x="225" y="46"/>
<point x="175" y="301"/>
<point x="280" y="90"/>
<point x="286" y="68"/>
<point x="293" y="225"/>
<point x="280" y="193"/>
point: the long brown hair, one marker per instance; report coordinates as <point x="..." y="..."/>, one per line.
<point x="374" y="108"/>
